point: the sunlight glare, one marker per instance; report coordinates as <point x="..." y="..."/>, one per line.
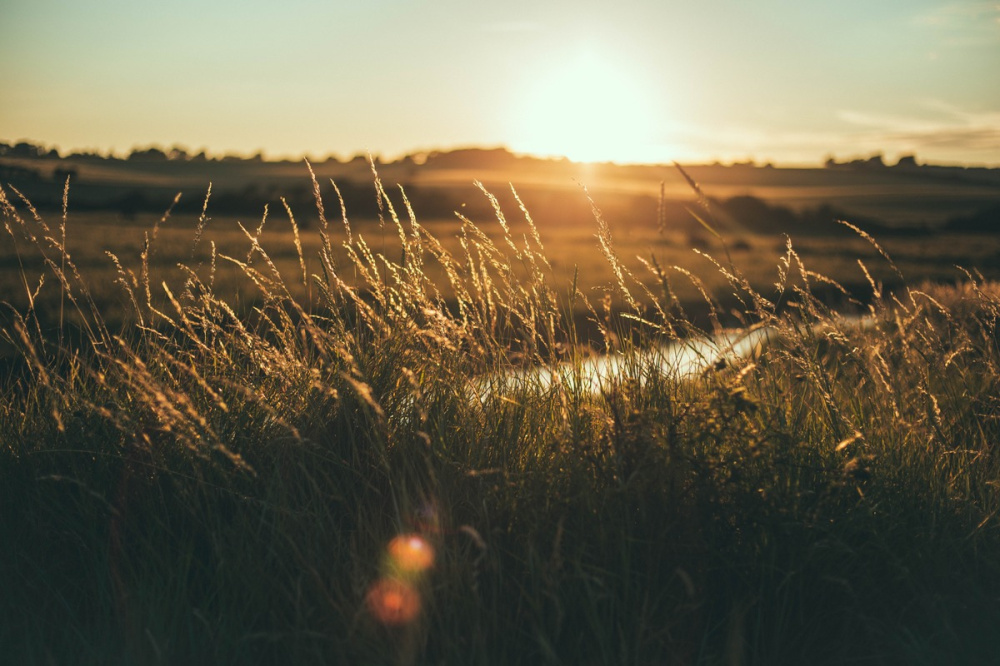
<point x="588" y="109"/>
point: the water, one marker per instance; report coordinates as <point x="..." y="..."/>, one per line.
<point x="681" y="359"/>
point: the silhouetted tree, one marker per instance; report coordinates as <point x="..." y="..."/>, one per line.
<point x="85" y="155"/>
<point x="151" y="154"/>
<point x="472" y="157"/>
<point x="25" y="149"/>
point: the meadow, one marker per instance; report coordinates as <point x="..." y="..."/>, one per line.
<point x="263" y="446"/>
<point x="114" y="205"/>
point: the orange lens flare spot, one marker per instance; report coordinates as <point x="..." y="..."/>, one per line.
<point x="411" y="553"/>
<point x="393" y="602"/>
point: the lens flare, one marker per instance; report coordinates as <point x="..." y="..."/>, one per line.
<point x="393" y="602"/>
<point x="411" y="553"/>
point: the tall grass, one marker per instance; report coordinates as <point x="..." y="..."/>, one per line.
<point x="211" y="484"/>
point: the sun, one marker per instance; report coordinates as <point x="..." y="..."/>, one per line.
<point x="586" y="108"/>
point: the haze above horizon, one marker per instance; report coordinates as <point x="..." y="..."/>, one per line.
<point x="642" y="81"/>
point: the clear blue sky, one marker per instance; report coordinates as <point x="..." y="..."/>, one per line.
<point x="634" y="80"/>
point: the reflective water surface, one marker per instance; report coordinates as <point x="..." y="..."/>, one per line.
<point x="680" y="359"/>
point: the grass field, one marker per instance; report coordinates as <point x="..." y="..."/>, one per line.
<point x="566" y="225"/>
<point x="278" y="458"/>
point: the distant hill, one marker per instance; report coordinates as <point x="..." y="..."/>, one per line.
<point x="906" y="197"/>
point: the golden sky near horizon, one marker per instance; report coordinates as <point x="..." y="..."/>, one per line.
<point x="631" y="81"/>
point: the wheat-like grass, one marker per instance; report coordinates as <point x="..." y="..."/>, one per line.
<point x="237" y="473"/>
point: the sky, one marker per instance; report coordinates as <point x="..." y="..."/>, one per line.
<point x="786" y="81"/>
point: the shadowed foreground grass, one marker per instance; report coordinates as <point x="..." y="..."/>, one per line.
<point x="311" y="483"/>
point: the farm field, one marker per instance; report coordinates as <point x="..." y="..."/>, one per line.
<point x="929" y="219"/>
<point x="902" y="195"/>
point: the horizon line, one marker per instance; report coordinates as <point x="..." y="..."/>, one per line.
<point x="180" y="153"/>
